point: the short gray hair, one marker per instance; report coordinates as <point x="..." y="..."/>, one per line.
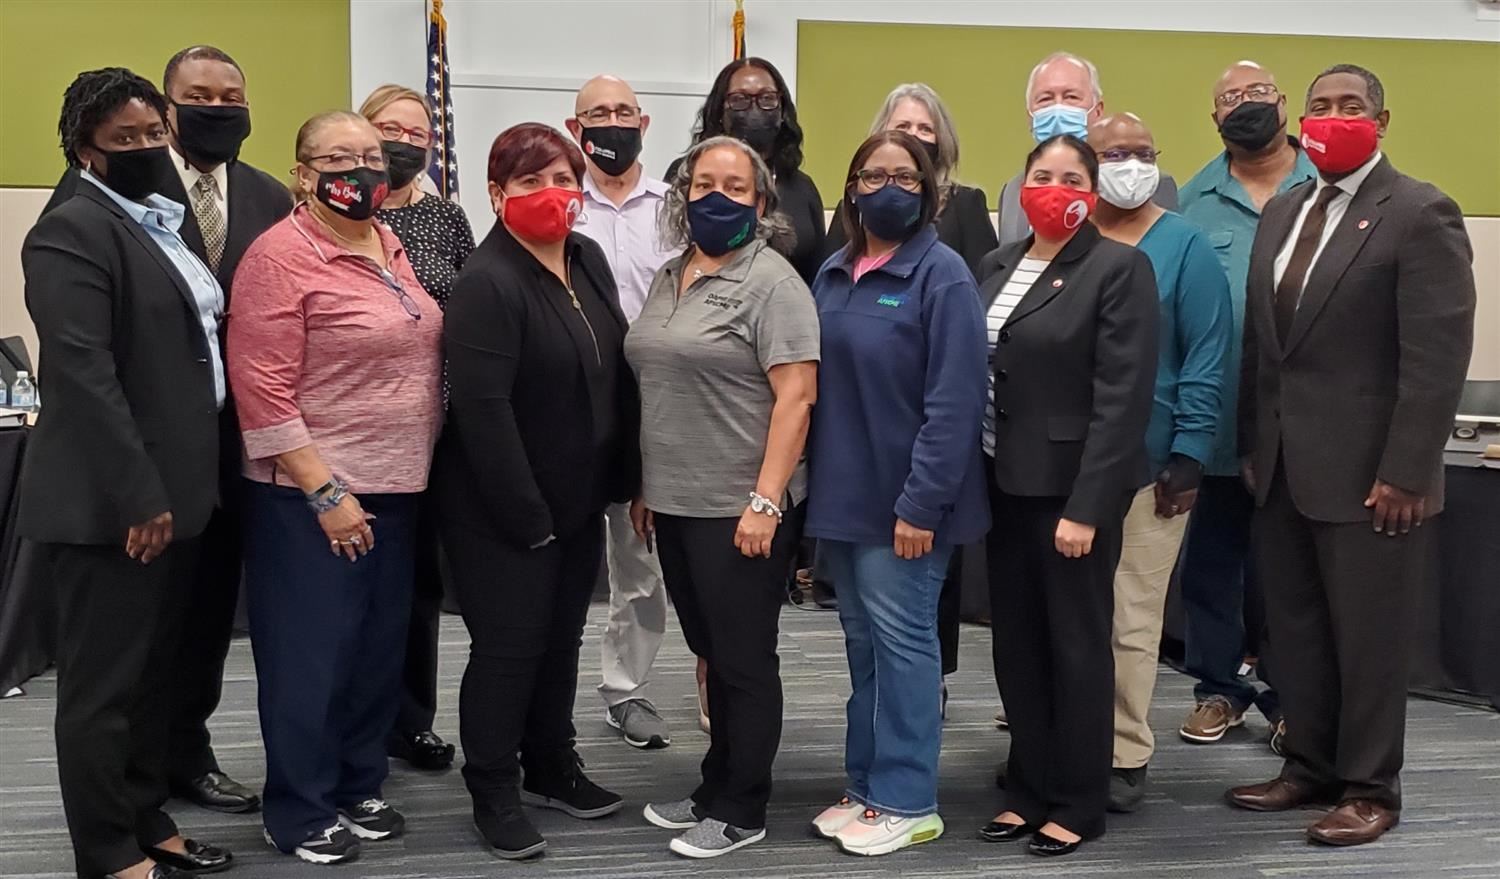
<point x="947" y="134"/>
<point x="672" y="222"/>
<point x="1085" y="63"/>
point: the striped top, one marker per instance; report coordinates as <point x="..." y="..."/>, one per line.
<point x="1015" y="287"/>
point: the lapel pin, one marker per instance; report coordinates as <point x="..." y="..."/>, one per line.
<point x="1057" y="282"/>
<point x="1364" y="224"/>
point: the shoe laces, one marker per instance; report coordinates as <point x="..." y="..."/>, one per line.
<point x="373" y="805"/>
<point x="329" y="831"/>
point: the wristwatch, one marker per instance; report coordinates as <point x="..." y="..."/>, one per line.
<point x="759" y="503"/>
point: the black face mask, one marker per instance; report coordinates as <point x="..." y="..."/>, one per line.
<point x="211" y="134"/>
<point x="612" y="148"/>
<point x="756" y="127"/>
<point x="931" y="149"/>
<point x="1252" y="125"/>
<point x="354" y="194"/>
<point x="403" y="161"/>
<point x="136" y="174"/>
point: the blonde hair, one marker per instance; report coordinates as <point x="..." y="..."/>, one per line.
<point x="942" y="123"/>
<point x="389" y="94"/>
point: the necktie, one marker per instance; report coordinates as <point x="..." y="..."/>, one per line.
<point x="1289" y="291"/>
<point x="210" y="220"/>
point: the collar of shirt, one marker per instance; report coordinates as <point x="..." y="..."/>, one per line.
<point x="1351" y="182"/>
<point x="155" y="208"/>
<point x="327" y="247"/>
<point x="646" y="185"/>
<point x="1223" y="182"/>
<point x="190" y="175"/>
<point x="736" y="270"/>
<point x="903" y="260"/>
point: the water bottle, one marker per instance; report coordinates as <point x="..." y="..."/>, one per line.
<point x="23" y="392"/>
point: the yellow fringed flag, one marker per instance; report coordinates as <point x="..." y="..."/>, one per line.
<point x="739" y="29"/>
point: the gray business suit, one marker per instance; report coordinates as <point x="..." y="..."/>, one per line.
<point x="1365" y="387"/>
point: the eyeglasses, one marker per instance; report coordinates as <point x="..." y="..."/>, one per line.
<point x="1263" y="92"/>
<point x="623" y="114"/>
<point x="350" y="161"/>
<point x="407" y="302"/>
<point x="874" y="179"/>
<point x="415" y="136"/>
<point x="742" y="101"/>
<point x="1147" y="155"/>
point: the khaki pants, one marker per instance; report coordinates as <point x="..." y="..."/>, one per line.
<point x="1146" y="563"/>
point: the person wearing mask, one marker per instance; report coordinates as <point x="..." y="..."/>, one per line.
<point x="620" y="204"/>
<point x="726" y="351"/>
<point x="903" y="361"/>
<point x="750" y="101"/>
<point x="1063" y="96"/>
<point x="120" y="480"/>
<point x="228" y="204"/>
<point x="1219" y="586"/>
<point x="542" y="437"/>
<point x="437" y="239"/>
<point x="334" y="350"/>
<point x="1359" y="324"/>
<point x="1072" y="323"/>
<point x="1194" y="344"/>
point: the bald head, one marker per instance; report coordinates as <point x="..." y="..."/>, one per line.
<point x="1120" y="131"/>
<point x="604" y="91"/>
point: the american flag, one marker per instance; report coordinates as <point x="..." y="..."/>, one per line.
<point x="444" y="170"/>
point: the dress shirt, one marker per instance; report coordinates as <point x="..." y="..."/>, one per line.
<point x="1349" y="185"/>
<point x="161" y="217"/>
<point x="190" y="176"/>
<point x="627" y="234"/>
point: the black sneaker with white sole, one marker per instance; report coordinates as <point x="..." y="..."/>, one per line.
<point x="507" y="833"/>
<point x="332" y="845"/>
<point x="561" y="785"/>
<point x="372" y="819"/>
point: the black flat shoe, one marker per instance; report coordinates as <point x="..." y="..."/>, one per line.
<point x="200" y="858"/>
<point x="217" y="792"/>
<point x="996" y="831"/>
<point x="423" y="750"/>
<point x="1045" y="846"/>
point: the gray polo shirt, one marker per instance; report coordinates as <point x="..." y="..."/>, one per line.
<point x="701" y="361"/>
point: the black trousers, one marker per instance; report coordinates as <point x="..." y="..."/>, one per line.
<point x="1339" y="598"/>
<point x="119" y="628"/>
<point x="1052" y="617"/>
<point x="729" y="607"/>
<point x="950" y="602"/>
<point x="419" y="677"/>
<point x="525" y="610"/>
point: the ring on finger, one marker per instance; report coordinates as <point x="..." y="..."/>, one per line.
<point x="356" y="540"/>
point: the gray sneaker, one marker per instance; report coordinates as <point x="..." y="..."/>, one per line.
<point x="710" y="838"/>
<point x="640" y="723"/>
<point x="678" y="815"/>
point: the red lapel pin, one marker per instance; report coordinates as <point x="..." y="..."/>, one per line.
<point x="1057" y="282"/>
<point x="1364" y="224"/>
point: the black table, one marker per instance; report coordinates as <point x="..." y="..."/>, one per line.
<point x="28" y="612"/>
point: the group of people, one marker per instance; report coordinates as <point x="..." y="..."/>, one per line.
<point x="342" y="393"/>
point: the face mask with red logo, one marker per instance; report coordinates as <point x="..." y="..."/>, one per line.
<point x="1339" y="144"/>
<point x="1056" y="212"/>
<point x="545" y="216"/>
<point x="354" y="194"/>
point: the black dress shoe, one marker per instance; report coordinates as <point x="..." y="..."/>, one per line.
<point x="160" y="871"/>
<point x="996" y="831"/>
<point x="200" y="858"/>
<point x="218" y="792"/>
<point x="423" y="750"/>
<point x="1047" y="847"/>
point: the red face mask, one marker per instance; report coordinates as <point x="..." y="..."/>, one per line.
<point x="1339" y="144"/>
<point x="1057" y="212"/>
<point x="546" y="215"/>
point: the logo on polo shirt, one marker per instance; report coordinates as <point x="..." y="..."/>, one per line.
<point x="719" y="300"/>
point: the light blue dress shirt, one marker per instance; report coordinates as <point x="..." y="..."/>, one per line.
<point x="161" y="218"/>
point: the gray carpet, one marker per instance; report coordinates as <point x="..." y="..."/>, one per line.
<point x="1452" y="784"/>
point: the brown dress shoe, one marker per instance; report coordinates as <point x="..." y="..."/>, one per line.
<point x="1276" y="795"/>
<point x="1354" y="822"/>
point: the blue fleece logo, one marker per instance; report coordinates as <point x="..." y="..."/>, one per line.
<point x="891" y="300"/>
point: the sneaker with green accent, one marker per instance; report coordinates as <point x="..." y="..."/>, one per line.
<point x="875" y="833"/>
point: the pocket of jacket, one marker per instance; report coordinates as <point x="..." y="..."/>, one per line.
<point x="1067" y="428"/>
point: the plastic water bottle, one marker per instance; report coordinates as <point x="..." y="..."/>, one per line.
<point x="23" y="392"/>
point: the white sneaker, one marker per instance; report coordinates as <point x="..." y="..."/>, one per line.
<point x="874" y="833"/>
<point x="835" y="818"/>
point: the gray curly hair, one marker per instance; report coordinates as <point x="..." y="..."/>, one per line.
<point x="672" y="222"/>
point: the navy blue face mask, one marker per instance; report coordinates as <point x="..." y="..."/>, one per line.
<point x="719" y="224"/>
<point x="890" y="212"/>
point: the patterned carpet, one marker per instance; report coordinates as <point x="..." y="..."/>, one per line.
<point x="1452" y="788"/>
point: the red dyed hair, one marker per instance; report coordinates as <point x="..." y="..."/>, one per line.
<point x="528" y="148"/>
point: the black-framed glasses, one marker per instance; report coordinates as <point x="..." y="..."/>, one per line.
<point x="1263" y="92"/>
<point x="743" y="100"/>
<point x="350" y="161"/>
<point x="1145" y="154"/>
<point x="624" y="114"/>
<point x="876" y="178"/>
<point x="408" y="303"/>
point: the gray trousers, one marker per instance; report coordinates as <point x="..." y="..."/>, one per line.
<point x="637" y="611"/>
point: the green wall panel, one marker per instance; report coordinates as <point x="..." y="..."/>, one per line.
<point x="1444" y="96"/>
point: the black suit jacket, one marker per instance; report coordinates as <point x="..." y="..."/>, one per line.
<point x="519" y="456"/>
<point x="964" y="225"/>
<point x="1368" y="381"/>
<point x="131" y="426"/>
<point x="1075" y="367"/>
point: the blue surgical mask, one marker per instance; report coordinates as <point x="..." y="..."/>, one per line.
<point x="719" y="224"/>
<point x="1056" y="119"/>
<point x="890" y="212"/>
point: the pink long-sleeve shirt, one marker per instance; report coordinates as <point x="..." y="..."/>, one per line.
<point x="325" y="348"/>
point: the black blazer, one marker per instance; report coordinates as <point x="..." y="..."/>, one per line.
<point x="964" y="225"/>
<point x="1368" y="381"/>
<point x="519" y="456"/>
<point x="1075" y="368"/>
<point x="131" y="427"/>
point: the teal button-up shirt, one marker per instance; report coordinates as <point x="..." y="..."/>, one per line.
<point x="1221" y="207"/>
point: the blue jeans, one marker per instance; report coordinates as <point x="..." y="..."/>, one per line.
<point x="888" y="607"/>
<point x="1216" y="575"/>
